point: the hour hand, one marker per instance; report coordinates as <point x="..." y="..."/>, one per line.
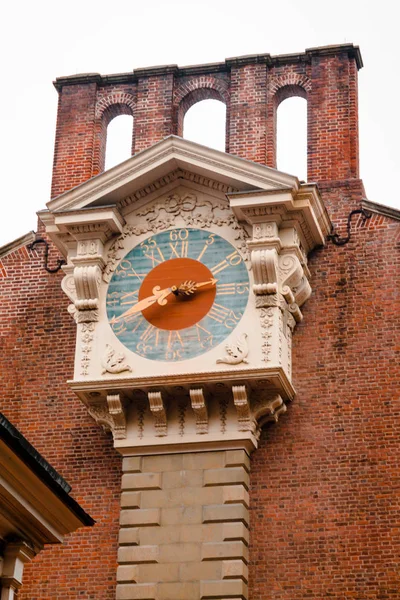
<point x="159" y="296"/>
<point x="187" y="288"/>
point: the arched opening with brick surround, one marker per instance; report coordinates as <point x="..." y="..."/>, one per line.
<point x="291" y="137"/>
<point x="196" y="90"/>
<point x="118" y="140"/>
<point x="281" y="89"/>
<point x="205" y="123"/>
<point x="108" y="109"/>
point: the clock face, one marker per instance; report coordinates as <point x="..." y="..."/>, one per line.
<point x="177" y="294"/>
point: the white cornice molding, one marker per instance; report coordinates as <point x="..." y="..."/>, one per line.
<point x="303" y="206"/>
<point x="274" y="375"/>
<point x="158" y="160"/>
<point x="15" y="245"/>
<point x="381" y="209"/>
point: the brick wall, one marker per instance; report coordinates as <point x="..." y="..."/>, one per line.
<point x="37" y="344"/>
<point x="324" y="497"/>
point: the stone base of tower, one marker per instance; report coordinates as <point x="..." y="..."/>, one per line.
<point x="184" y="527"/>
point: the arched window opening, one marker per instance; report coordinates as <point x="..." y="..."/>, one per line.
<point x="291" y="137"/>
<point x="205" y="123"/>
<point x="119" y="140"/>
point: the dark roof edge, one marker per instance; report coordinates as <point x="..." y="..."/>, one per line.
<point x="42" y="469"/>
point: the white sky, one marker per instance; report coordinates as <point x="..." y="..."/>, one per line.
<point x="42" y="40"/>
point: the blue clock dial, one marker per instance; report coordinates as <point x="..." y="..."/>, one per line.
<point x="177" y="294"/>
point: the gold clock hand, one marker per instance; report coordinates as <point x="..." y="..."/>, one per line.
<point x="189" y="287"/>
<point x="159" y="296"/>
<point x="211" y="281"/>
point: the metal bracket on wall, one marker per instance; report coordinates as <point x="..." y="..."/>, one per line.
<point x="60" y="262"/>
<point x="335" y="237"/>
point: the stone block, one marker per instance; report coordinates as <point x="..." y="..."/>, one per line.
<point x="235" y="494"/>
<point x="128" y="574"/>
<point x="227" y="476"/>
<point x="177" y="553"/>
<point x="181" y="515"/>
<point x="130" y="499"/>
<point x="235" y="569"/>
<point x="220" y="590"/>
<point x="178" y="591"/>
<point x="237" y="458"/>
<point x="185" y="496"/>
<point x="138" y="554"/>
<point x="140" y="517"/>
<point x="139" y="591"/>
<point x="159" y="572"/>
<point x="235" y="531"/>
<point x="184" y="478"/>
<point x="202" y="533"/>
<point x="161" y="535"/>
<point x="141" y="481"/>
<point x="222" y="550"/>
<point x="196" y="571"/>
<point x="128" y="536"/>
<point x="219" y="513"/>
<point x="163" y="463"/>
<point x="132" y="464"/>
<point x="204" y="460"/>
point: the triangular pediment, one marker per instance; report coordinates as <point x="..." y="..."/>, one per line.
<point x="170" y="159"/>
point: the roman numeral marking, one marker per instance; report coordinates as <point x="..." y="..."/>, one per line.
<point x="173" y="337"/>
<point x="223" y="289"/>
<point x="154" y="261"/>
<point x="232" y="259"/>
<point x="133" y="297"/>
<point x="218" y="312"/>
<point x="179" y="249"/>
<point x="149" y="333"/>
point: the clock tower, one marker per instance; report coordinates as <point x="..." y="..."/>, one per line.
<point x="186" y="272"/>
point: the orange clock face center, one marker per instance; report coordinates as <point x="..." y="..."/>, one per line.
<point x="180" y="311"/>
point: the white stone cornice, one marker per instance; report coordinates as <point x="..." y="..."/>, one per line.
<point x="162" y="158"/>
<point x="302" y="209"/>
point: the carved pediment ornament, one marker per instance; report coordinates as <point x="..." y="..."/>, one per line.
<point x="162" y="214"/>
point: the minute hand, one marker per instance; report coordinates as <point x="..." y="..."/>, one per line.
<point x="189" y="287"/>
<point x="211" y="281"/>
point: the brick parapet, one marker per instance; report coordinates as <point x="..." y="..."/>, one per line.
<point x="251" y="87"/>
